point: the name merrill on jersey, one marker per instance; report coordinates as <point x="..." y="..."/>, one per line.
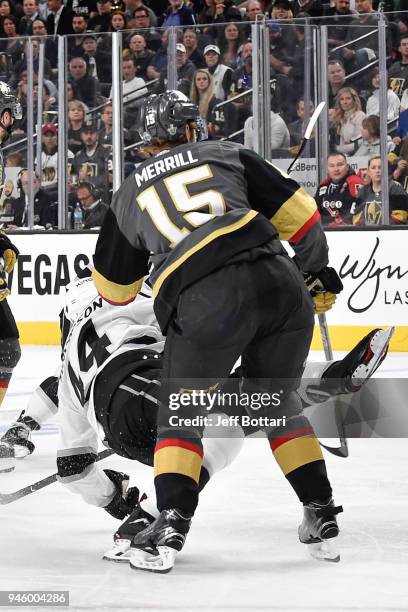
<point x="161" y="166"/>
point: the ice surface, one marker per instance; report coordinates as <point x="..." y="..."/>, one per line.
<point x="242" y="552"/>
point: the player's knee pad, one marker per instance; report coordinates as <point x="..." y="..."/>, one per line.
<point x="10" y="353"/>
<point x="220" y="451"/>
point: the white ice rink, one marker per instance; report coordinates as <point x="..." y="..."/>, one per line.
<point x="242" y="553"/>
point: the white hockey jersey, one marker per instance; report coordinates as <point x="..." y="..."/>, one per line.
<point x="97" y="332"/>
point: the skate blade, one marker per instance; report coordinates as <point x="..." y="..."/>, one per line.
<point x="379" y="347"/>
<point x="158" y="564"/>
<point x="324" y="551"/>
<point x="120" y="553"/>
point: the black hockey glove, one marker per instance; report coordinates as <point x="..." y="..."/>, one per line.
<point x="125" y="500"/>
<point x="8" y="252"/>
<point x="323" y="288"/>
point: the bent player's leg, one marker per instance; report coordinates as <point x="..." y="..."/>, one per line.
<point x="42" y="404"/>
<point x="10" y="351"/>
<point x="322" y="380"/>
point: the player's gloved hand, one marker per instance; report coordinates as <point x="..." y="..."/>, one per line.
<point x="323" y="288"/>
<point x="126" y="499"/>
<point x="4" y="290"/>
<point x="8" y="252"/>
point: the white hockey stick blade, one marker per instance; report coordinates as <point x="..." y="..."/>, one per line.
<point x="324" y="551"/>
<point x="313" y="119"/>
<point x="120" y="552"/>
<point x="148" y="562"/>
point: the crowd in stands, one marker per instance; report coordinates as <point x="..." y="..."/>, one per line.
<point x="214" y="69"/>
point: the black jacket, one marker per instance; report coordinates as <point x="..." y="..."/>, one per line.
<point x="64" y="23"/>
<point x="43" y="211"/>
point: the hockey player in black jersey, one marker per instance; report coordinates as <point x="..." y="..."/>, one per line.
<point x="10" y="110"/>
<point x="114" y="392"/>
<point x="209" y="216"/>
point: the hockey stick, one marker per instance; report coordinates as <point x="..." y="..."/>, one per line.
<point x="342" y="450"/>
<point x="8" y="498"/>
<point x="308" y="133"/>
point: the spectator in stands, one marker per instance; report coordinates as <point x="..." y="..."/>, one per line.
<point x="105" y="133"/>
<point x="373" y="102"/>
<point x="99" y="61"/>
<point x="59" y="20"/>
<point x="282" y="48"/>
<point x="336" y="195"/>
<point x="51" y="48"/>
<point x="90" y="163"/>
<point x="336" y="75"/>
<point x="241" y="80"/>
<point x="76" y="119"/>
<point x="371" y="138"/>
<point x="218" y="11"/>
<point x="312" y="8"/>
<point x="399" y="168"/>
<point x="100" y="22"/>
<point x="347" y="120"/>
<point x="369" y="203"/>
<point x="143" y="25"/>
<point x="185" y="71"/>
<point x="117" y="22"/>
<point x="230" y="41"/>
<point x="141" y="55"/>
<point x="44" y="212"/>
<point x="398" y="71"/>
<point x="49" y="103"/>
<point x="280" y="138"/>
<point x="360" y="53"/>
<point x="22" y="63"/>
<point x="80" y="26"/>
<point x="131" y="6"/>
<point x="7" y="8"/>
<point x="10" y="44"/>
<point x="281" y="9"/>
<point x="84" y="86"/>
<point x="31" y="13"/>
<point x="93" y="207"/>
<point x="49" y="161"/>
<point x="159" y="61"/>
<point x="253" y="8"/>
<point x="190" y="41"/>
<point x="297" y="128"/>
<point x="202" y="94"/>
<point x="220" y="73"/>
<point x="178" y="14"/>
<point x="338" y="18"/>
<point x="133" y="87"/>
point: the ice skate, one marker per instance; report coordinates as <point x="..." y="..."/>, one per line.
<point x="18" y="436"/>
<point x="136" y="522"/>
<point x="155" y="548"/>
<point x="352" y="372"/>
<point x="319" y="528"/>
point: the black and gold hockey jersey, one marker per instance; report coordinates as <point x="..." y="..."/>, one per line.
<point x="193" y="209"/>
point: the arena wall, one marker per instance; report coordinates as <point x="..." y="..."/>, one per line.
<point x="372" y="264"/>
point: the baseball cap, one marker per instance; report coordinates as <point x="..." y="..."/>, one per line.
<point x="49" y="127"/>
<point x="89" y="126"/>
<point x="214" y="48"/>
<point x="181" y="47"/>
<point x="283" y="3"/>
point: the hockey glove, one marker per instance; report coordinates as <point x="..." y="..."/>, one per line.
<point x="125" y="500"/>
<point x="323" y="288"/>
<point x="8" y="252"/>
<point x="4" y="290"/>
